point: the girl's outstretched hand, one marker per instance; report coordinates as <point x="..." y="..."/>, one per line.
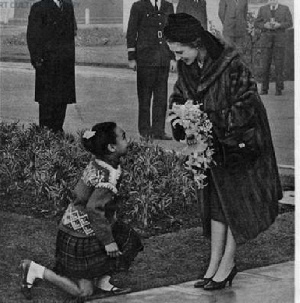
<point x="112" y="250"/>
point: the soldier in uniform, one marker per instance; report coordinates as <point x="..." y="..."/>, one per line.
<point x="273" y="19"/>
<point x="50" y="38"/>
<point x="149" y="55"/>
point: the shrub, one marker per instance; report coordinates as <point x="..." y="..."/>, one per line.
<point x="94" y="36"/>
<point x="44" y="167"/>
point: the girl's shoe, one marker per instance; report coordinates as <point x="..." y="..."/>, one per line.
<point x="213" y="285"/>
<point x="202" y="282"/>
<point x="26" y="286"/>
<point x="114" y="291"/>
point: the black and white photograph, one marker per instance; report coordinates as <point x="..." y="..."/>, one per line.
<point x="148" y="151"/>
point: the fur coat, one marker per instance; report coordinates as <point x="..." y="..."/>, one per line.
<point x="246" y="184"/>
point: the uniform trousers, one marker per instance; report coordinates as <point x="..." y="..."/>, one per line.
<point x="52" y="115"/>
<point x="277" y="53"/>
<point x="152" y="82"/>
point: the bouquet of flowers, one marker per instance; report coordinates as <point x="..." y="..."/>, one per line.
<point x="198" y="128"/>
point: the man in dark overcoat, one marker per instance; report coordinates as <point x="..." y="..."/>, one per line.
<point x="273" y="19"/>
<point x="195" y="8"/>
<point x="150" y="56"/>
<point x="233" y="15"/>
<point x="50" y="38"/>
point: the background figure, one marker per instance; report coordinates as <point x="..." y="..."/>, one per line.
<point x="233" y="15"/>
<point x="273" y="19"/>
<point x="149" y="54"/>
<point x="195" y="8"/>
<point x="50" y="38"/>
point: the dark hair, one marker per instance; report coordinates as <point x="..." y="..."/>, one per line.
<point x="185" y="29"/>
<point x="105" y="135"/>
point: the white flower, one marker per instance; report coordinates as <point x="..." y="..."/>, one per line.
<point x="196" y="124"/>
<point x="88" y="134"/>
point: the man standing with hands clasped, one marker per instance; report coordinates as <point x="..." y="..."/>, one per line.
<point x="273" y="19"/>
<point x="149" y="55"/>
<point x="50" y="38"/>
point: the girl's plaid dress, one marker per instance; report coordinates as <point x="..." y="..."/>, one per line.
<point x="90" y="223"/>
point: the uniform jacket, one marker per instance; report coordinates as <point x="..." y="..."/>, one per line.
<point x="247" y="188"/>
<point x="282" y="16"/>
<point x="145" y="34"/>
<point x="233" y="16"/>
<point x="197" y="9"/>
<point x="50" y="39"/>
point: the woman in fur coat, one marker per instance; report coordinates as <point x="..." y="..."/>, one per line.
<point x="243" y="187"/>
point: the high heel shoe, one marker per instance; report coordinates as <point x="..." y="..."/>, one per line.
<point x="213" y="285"/>
<point x="202" y="282"/>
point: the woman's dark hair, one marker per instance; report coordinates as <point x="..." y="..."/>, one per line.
<point x="187" y="30"/>
<point x="98" y="143"/>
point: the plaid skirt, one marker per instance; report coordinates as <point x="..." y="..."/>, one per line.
<point x="86" y="258"/>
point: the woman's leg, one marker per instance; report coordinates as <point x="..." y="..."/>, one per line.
<point x="227" y="262"/>
<point x="218" y="234"/>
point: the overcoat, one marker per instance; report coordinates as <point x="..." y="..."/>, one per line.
<point x="145" y="34"/>
<point x="233" y="15"/>
<point x="50" y="39"/>
<point x="273" y="38"/>
<point x="248" y="189"/>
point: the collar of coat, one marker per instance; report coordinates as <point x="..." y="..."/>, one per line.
<point x="212" y="69"/>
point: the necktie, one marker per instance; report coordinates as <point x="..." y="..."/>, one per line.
<point x="156" y="6"/>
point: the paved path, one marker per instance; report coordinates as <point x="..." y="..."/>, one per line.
<point x="272" y="284"/>
<point x="110" y="94"/>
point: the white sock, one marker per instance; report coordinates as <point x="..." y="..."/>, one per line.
<point x="35" y="271"/>
<point x="104" y="283"/>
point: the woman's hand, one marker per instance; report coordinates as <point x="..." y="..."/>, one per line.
<point x="112" y="250"/>
<point x="191" y="140"/>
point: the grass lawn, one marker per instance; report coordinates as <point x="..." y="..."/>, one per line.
<point x="167" y="259"/>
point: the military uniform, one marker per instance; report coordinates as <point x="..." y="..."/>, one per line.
<point x="148" y="47"/>
<point x="273" y="42"/>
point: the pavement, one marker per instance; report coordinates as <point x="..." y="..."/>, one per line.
<point x="272" y="284"/>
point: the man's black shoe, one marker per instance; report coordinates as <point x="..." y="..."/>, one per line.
<point x="278" y="92"/>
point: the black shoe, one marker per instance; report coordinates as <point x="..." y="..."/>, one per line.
<point x="202" y="282"/>
<point x="213" y="285"/>
<point x="278" y="92"/>
<point x="263" y="92"/>
<point x="162" y="137"/>
<point x="100" y="293"/>
<point x="25" y="289"/>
